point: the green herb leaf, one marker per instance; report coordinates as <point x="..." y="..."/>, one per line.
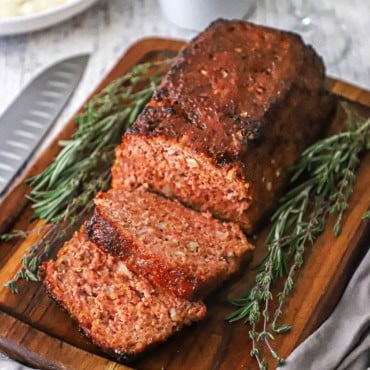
<point x="283" y="329"/>
<point x="62" y="194"/>
<point x="15" y="234"/>
<point x="322" y="184"/>
<point x="13" y="286"/>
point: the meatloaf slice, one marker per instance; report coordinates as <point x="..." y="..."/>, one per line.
<point x="230" y="118"/>
<point x="120" y="311"/>
<point x="184" y="251"/>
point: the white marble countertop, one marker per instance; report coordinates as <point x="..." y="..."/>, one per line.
<point x="111" y="26"/>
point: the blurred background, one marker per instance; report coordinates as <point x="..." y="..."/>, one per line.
<point x="109" y="27"/>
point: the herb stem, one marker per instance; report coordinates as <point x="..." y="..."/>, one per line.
<point x="62" y="194"/>
<point x="322" y="183"/>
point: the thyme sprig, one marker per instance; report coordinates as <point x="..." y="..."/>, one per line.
<point x="15" y="234"/>
<point x="62" y="194"/>
<point x="322" y="183"/>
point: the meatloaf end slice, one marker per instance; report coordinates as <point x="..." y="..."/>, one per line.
<point x="231" y="117"/>
<point x="120" y="311"/>
<point x="179" y="249"/>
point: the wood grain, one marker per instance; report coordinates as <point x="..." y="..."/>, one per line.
<point x="30" y="319"/>
<point x="40" y="350"/>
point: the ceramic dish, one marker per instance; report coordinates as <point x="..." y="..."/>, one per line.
<point x="37" y="21"/>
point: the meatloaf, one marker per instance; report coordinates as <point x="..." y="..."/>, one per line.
<point x="121" y="312"/>
<point x="179" y="249"/>
<point x="233" y="114"/>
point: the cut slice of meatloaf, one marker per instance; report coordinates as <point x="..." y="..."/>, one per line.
<point x="184" y="251"/>
<point x="230" y="118"/>
<point x="121" y="312"/>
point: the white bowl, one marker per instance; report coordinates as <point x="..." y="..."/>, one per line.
<point x="197" y="14"/>
<point x="37" y="21"/>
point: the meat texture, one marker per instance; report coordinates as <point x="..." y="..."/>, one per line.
<point x="230" y="118"/>
<point x="179" y="249"/>
<point x="120" y="311"/>
<point x="237" y="108"/>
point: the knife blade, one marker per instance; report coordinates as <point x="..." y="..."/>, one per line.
<point x="31" y="115"/>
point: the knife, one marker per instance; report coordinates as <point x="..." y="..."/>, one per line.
<point x="31" y="115"/>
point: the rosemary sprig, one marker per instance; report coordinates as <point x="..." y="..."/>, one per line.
<point x="82" y="166"/>
<point x="62" y="194"/>
<point x="323" y="182"/>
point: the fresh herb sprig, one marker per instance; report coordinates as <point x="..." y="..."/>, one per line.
<point x="83" y="165"/>
<point x="323" y="182"/>
<point x="15" y="234"/>
<point x="63" y="193"/>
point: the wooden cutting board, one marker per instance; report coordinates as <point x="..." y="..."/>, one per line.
<point x="36" y="331"/>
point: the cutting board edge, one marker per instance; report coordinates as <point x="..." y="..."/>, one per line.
<point x="18" y="347"/>
<point x="130" y="58"/>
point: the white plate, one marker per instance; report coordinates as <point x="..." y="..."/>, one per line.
<point x="37" y="21"/>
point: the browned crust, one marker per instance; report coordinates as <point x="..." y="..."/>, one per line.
<point x="271" y="105"/>
<point x="103" y="234"/>
<point x="47" y="270"/>
<point x="178" y="280"/>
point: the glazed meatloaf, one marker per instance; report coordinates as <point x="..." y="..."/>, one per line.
<point x="121" y="312"/>
<point x="230" y="118"/>
<point x="179" y="249"/>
